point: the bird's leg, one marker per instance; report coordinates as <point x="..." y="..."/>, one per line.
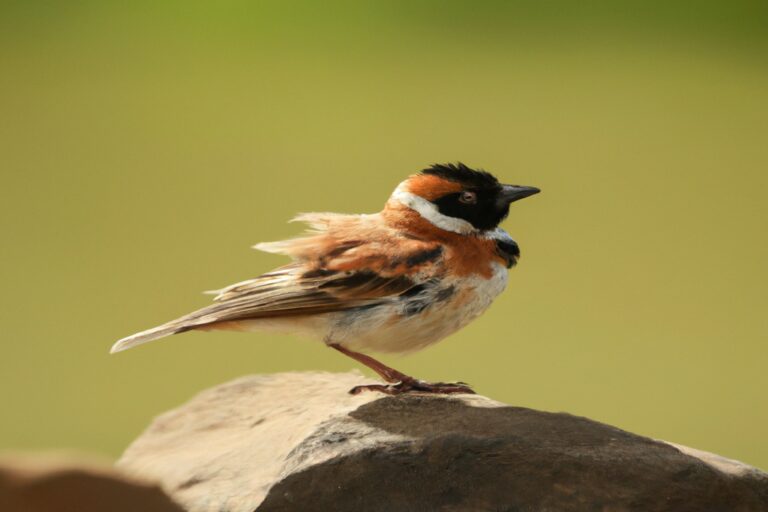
<point x="385" y="372"/>
<point x="398" y="382"/>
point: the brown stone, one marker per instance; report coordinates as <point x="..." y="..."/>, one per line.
<point x="299" y="442"/>
<point x="54" y="483"/>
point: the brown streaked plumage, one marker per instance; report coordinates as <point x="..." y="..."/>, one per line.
<point x="431" y="261"/>
<point x="461" y="251"/>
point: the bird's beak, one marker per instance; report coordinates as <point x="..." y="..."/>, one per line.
<point x="512" y="193"/>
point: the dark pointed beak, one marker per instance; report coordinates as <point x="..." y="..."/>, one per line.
<point x="512" y="193"/>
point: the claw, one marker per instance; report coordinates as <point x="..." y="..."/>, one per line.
<point x="399" y="382"/>
<point x="383" y="388"/>
<point x="415" y="386"/>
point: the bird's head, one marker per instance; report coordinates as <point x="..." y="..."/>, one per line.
<point x="457" y="198"/>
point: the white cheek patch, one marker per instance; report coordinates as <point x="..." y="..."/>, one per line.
<point x="429" y="211"/>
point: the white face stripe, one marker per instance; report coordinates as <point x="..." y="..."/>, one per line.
<point x="429" y="211"/>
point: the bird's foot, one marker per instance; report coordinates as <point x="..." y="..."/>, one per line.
<point x="415" y="386"/>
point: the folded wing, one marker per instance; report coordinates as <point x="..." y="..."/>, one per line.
<point x="339" y="266"/>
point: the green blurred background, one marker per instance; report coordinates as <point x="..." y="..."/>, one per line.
<point x="145" y="146"/>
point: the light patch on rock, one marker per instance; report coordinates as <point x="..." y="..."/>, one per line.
<point x="722" y="464"/>
<point x="224" y="448"/>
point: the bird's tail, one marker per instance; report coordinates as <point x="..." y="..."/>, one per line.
<point x="146" y="336"/>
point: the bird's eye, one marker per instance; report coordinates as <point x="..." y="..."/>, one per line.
<point x="468" y="197"/>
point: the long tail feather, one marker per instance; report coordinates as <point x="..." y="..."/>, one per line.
<point x="146" y="336"/>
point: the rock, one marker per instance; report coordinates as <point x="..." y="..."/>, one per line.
<point x="47" y="483"/>
<point x="299" y="442"/>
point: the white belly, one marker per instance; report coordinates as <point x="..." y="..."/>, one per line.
<point x="383" y="329"/>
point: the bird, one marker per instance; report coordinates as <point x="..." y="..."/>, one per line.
<point x="431" y="261"/>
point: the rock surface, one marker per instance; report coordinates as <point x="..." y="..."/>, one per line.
<point x="299" y="442"/>
<point x="47" y="483"/>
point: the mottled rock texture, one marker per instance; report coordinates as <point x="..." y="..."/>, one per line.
<point x="299" y="442"/>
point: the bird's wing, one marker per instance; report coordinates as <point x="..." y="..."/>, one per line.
<point x="335" y="272"/>
<point x="348" y="275"/>
<point x="296" y="290"/>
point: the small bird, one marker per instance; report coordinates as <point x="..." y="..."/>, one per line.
<point x="395" y="281"/>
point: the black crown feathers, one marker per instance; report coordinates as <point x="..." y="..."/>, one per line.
<point x="465" y="175"/>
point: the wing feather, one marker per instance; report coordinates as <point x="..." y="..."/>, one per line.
<point x="344" y="262"/>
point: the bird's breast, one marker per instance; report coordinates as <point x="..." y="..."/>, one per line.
<point x="422" y="317"/>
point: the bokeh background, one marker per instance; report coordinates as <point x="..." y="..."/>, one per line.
<point x="144" y="146"/>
